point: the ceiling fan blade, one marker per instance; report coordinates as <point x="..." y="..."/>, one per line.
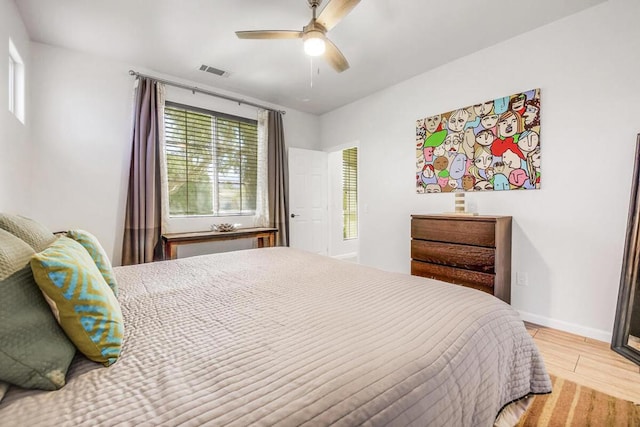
<point x="334" y="11"/>
<point x="284" y="34"/>
<point x="334" y="57"/>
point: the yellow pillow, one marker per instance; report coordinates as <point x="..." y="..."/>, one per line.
<point x="80" y="299"/>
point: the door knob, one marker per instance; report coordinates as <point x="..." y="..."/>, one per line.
<point x="294" y="215"/>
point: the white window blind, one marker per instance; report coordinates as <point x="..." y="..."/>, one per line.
<point x="350" y="193"/>
<point x="211" y="162"/>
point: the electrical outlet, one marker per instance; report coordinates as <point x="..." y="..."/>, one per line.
<point x="522" y="279"/>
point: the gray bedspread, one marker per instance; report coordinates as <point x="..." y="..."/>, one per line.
<point x="282" y="337"/>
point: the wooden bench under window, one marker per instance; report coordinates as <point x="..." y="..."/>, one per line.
<point x="266" y="238"/>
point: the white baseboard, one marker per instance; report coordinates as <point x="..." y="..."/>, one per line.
<point x="584" y="331"/>
<point x="352" y="256"/>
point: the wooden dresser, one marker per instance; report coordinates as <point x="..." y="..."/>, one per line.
<point x="473" y="251"/>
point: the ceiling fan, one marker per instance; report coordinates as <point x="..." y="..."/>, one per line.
<point x="316" y="42"/>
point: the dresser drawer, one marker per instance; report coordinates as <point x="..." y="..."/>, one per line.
<point x="472" y="251"/>
<point x="475" y="258"/>
<point x="483" y="281"/>
<point x="477" y="233"/>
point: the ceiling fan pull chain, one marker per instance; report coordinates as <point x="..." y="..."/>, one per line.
<point x="311" y="70"/>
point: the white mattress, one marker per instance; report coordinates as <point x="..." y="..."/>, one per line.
<point x="282" y="337"/>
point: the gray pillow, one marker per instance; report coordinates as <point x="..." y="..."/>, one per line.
<point x="32" y="232"/>
<point x="3" y="390"/>
<point x="35" y="352"/>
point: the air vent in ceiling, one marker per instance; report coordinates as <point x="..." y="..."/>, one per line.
<point x="214" y="70"/>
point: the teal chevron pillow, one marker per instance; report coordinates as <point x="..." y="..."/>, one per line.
<point x="34" y="350"/>
<point x="80" y="299"/>
<point x="93" y="246"/>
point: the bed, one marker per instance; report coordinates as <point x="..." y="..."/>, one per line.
<point x="281" y="337"/>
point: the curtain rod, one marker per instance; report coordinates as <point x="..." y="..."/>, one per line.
<point x="204" y="91"/>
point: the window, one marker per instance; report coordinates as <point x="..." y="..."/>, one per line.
<point x="211" y="162"/>
<point x="12" y="84"/>
<point x="16" y="83"/>
<point x="350" y="193"/>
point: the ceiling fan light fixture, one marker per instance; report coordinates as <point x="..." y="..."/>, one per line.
<point x="314" y="33"/>
<point x="314" y="43"/>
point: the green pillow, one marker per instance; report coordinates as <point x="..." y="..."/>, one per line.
<point x="81" y="300"/>
<point x="32" y="232"/>
<point x="34" y="351"/>
<point x="93" y="246"/>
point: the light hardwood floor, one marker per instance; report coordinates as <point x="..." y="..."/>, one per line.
<point x="588" y="362"/>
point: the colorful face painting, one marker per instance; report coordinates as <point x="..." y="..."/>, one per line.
<point x="489" y="146"/>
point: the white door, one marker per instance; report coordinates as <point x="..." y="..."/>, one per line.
<point x="308" y="201"/>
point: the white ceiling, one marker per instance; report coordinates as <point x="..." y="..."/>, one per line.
<point x="385" y="41"/>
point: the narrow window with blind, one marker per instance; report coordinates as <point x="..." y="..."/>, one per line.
<point x="350" y="193"/>
<point x="212" y="162"/>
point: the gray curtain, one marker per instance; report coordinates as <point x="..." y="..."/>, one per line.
<point x="278" y="178"/>
<point x="142" y="239"/>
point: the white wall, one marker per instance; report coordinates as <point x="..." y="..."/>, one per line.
<point x="568" y="236"/>
<point x="81" y="137"/>
<point x="14" y="135"/>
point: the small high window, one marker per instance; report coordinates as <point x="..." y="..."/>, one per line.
<point x="16" y="83"/>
